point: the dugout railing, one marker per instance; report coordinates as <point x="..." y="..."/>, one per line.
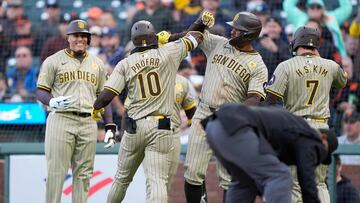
<point x="7" y="149"/>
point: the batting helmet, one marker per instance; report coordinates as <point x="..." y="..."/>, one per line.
<point x="143" y="34"/>
<point x="250" y="26"/>
<point x="79" y="26"/>
<point x="305" y="36"/>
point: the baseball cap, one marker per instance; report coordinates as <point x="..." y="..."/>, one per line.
<point x="94" y="12"/>
<point x="352" y="117"/>
<point x="52" y="4"/>
<point x="108" y="32"/>
<point x="317" y="2"/>
<point x="332" y="143"/>
<point x="257" y="7"/>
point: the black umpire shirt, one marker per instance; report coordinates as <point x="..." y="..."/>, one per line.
<point x="283" y="134"/>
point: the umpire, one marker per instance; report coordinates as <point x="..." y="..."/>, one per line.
<point x="255" y="144"/>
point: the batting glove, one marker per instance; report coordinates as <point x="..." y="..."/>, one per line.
<point x="163" y="37"/>
<point x="96" y="114"/>
<point x="60" y="102"/>
<point x="208" y="19"/>
<point x="110" y="130"/>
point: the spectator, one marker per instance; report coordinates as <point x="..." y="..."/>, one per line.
<point x="3" y="88"/>
<point x="49" y="25"/>
<point x="316" y="9"/>
<point x="160" y="16"/>
<point x="94" y="15"/>
<point x="355" y="38"/>
<point x="25" y="36"/>
<point x="13" y="10"/>
<point x="110" y="43"/>
<point x="108" y="19"/>
<point x="351" y="126"/>
<point x="345" y="190"/>
<point x="22" y="78"/>
<point x="95" y="44"/>
<point x="260" y="9"/>
<point x="58" y="42"/>
<point x="326" y="49"/>
<point x="271" y="47"/>
<point x="213" y="6"/>
<point x="186" y="69"/>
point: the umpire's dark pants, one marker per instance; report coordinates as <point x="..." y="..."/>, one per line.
<point x="252" y="172"/>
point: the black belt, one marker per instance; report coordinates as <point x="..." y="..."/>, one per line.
<point x="81" y="114"/>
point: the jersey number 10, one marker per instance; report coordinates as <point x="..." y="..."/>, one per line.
<point x="313" y="85"/>
<point x="149" y="84"/>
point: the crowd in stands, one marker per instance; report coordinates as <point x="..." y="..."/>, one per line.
<point x="30" y="31"/>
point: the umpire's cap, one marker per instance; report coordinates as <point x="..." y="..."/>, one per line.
<point x="305" y="36"/>
<point x="248" y="23"/>
<point x="143" y="34"/>
<point x="332" y="143"/>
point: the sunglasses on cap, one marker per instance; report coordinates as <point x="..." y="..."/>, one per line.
<point x="315" y="6"/>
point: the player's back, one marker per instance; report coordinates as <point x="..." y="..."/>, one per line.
<point x="150" y="77"/>
<point x="309" y="82"/>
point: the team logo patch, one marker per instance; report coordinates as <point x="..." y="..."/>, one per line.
<point x="94" y="65"/>
<point x="81" y="25"/>
<point x="252" y="64"/>
<point x="179" y="86"/>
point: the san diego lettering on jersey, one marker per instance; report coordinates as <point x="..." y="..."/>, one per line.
<point x="77" y="75"/>
<point x="232" y="65"/>
<point x="311" y="69"/>
<point x="148" y="62"/>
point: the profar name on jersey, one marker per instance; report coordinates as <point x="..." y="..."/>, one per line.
<point x="148" y="62"/>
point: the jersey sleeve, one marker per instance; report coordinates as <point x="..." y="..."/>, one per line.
<point x="210" y="41"/>
<point x="102" y="78"/>
<point x="46" y="76"/>
<point x="177" y="50"/>
<point x="189" y="98"/>
<point x="340" y="77"/>
<point x="257" y="81"/>
<point x="278" y="81"/>
<point x="116" y="81"/>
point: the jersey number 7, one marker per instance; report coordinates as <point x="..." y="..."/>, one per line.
<point x="313" y="86"/>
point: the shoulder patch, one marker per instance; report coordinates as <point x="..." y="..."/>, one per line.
<point x="252" y="64"/>
<point x="94" y="65"/>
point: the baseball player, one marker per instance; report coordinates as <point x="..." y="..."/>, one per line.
<point x="184" y="99"/>
<point x="255" y="143"/>
<point x="303" y="83"/>
<point x="68" y="83"/>
<point x="235" y="73"/>
<point x="149" y="73"/>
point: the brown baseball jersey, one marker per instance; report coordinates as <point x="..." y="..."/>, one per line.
<point x="230" y="74"/>
<point x="63" y="75"/>
<point x="149" y="76"/>
<point x="304" y="83"/>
